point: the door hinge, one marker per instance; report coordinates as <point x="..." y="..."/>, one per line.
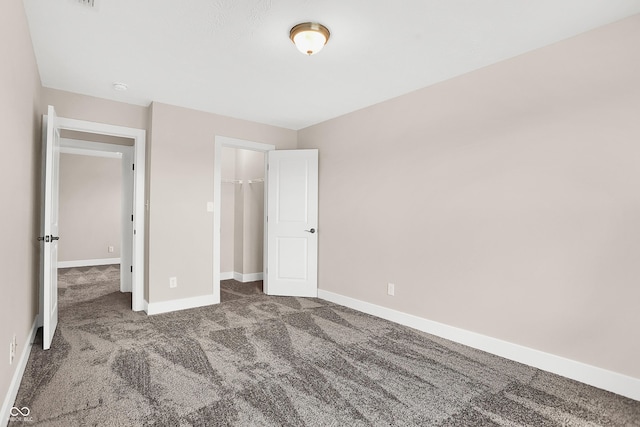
<point x="131" y="217"/>
<point x="134" y="231"/>
<point x="133" y="166"/>
<point x="132" y="268"/>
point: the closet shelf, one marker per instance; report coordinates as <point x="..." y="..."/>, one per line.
<point x="241" y="181"/>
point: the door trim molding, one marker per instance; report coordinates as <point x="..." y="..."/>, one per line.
<point x="139" y="211"/>
<point x="220" y="143"/>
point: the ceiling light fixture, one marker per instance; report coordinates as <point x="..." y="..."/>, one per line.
<point x="120" y="87"/>
<point x="309" y="37"/>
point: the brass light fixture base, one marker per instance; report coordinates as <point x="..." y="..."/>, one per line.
<point x="312" y="27"/>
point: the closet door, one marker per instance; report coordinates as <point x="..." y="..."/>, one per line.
<point x="292" y="223"/>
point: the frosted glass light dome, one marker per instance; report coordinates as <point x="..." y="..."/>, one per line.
<point x="309" y="37"/>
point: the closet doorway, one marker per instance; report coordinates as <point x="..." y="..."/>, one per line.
<point x="238" y="206"/>
<point x="242" y="215"/>
<point x="290" y="218"/>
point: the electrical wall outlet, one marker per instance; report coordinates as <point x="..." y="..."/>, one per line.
<point x="391" y="289"/>
<point x="173" y="282"/>
<point x="110" y="249"/>
<point x="12" y="353"/>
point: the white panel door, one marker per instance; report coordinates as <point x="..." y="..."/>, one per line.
<point x="49" y="238"/>
<point x="292" y="222"/>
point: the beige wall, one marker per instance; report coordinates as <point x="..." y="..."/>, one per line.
<point x="249" y="212"/>
<point x="238" y="227"/>
<point x="181" y="184"/>
<point x="89" y="207"/>
<point x="82" y="107"/>
<point x="20" y="177"/>
<point x="242" y="219"/>
<point x="250" y="166"/>
<point x="227" y="205"/>
<point x="505" y="201"/>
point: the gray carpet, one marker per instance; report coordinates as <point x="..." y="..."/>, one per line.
<point x="255" y="360"/>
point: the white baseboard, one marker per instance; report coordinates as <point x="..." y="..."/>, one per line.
<point x="88" y="262"/>
<point x="592" y="375"/>
<point x="14" y="386"/>
<point x="244" y="278"/>
<point x="248" y="277"/>
<point x="179" y="304"/>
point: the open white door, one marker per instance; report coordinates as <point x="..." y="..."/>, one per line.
<point x="49" y="238"/>
<point x="292" y="221"/>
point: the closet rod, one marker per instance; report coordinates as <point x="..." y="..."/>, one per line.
<point x="240" y="181"/>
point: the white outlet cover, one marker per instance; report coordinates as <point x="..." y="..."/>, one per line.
<point x="209" y="206"/>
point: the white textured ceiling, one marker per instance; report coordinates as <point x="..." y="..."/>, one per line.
<point x="234" y="57"/>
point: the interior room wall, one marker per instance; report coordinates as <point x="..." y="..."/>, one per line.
<point x="89" y="207"/>
<point x="227" y="216"/>
<point x="82" y="107"/>
<point x="503" y="202"/>
<point x="238" y="227"/>
<point x="250" y="166"/>
<point x="20" y="190"/>
<point x="242" y="217"/>
<point x="180" y="185"/>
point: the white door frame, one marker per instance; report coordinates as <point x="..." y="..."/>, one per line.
<point x="125" y="154"/>
<point x="220" y="143"/>
<point x="139" y="159"/>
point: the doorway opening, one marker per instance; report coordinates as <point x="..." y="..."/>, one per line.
<point x="52" y="130"/>
<point x="131" y="142"/>
<point x="96" y="204"/>
<point x="242" y="215"/>
<point x="242" y="218"/>
<point x="237" y="162"/>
